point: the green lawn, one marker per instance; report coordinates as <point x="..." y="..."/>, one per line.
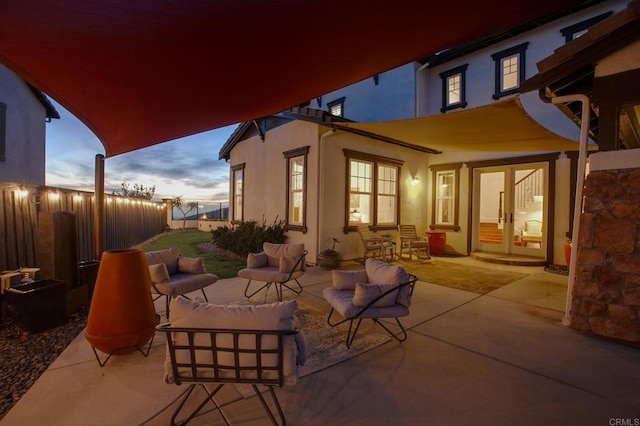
<point x="188" y="242"/>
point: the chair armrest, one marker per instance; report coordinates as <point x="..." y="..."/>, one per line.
<point x="374" y="240"/>
<point x="295" y="267"/>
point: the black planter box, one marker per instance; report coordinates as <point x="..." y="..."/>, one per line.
<point x="39" y="305"/>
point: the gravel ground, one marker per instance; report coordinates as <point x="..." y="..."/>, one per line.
<point x="25" y="355"/>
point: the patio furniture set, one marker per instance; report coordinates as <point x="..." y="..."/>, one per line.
<point x="238" y="348"/>
<point x="249" y="344"/>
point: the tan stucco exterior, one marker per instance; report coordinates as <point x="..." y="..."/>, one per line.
<point x="265" y="183"/>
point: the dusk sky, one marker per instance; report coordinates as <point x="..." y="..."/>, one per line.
<point x="186" y="167"/>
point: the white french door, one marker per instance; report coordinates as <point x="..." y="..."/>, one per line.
<point x="510" y="214"/>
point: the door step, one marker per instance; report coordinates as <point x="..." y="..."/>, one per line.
<point x="508" y="259"/>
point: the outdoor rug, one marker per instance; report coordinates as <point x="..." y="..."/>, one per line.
<point x="326" y="346"/>
<point x="463" y="277"/>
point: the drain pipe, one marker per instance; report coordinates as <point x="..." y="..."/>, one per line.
<point x="321" y="185"/>
<point x="577" y="208"/>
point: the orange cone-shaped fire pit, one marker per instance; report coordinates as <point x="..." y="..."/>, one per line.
<point x="122" y="317"/>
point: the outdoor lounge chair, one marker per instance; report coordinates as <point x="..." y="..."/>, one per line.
<point x="409" y="240"/>
<point x="277" y="264"/>
<point x="252" y="345"/>
<point x="174" y="275"/>
<point x="379" y="291"/>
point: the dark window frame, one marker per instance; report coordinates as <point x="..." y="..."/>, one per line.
<point x="339" y="101"/>
<point x="498" y="57"/>
<point x="462" y="70"/>
<point x="568" y="32"/>
<point x="234" y="169"/>
<point x="454" y="167"/>
<point x="377" y="161"/>
<point x="288" y="155"/>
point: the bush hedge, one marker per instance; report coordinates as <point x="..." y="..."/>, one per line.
<point x="248" y="236"/>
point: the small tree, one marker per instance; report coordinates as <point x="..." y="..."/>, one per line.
<point x="184" y="207"/>
<point x="138" y="191"/>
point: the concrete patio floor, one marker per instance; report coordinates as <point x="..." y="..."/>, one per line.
<point x="503" y="358"/>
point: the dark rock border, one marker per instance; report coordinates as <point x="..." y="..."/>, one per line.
<point x="26" y="355"/>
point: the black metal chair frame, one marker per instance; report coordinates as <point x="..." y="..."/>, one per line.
<point x="143" y="351"/>
<point x="277" y="284"/>
<point x="351" y="333"/>
<point x="219" y="374"/>
<point x="169" y="297"/>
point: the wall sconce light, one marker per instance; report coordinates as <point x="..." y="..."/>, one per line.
<point x="54" y="196"/>
<point x="415" y="181"/>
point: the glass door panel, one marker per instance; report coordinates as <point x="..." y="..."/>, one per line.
<point x="490" y="221"/>
<point x="529" y="225"/>
<point x="510" y="214"/>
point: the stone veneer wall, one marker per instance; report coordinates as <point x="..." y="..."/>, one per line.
<point x="606" y="291"/>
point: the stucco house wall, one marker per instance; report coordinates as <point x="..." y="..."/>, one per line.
<point x="480" y="75"/>
<point x="392" y="98"/>
<point x="414" y="90"/>
<point x="457" y="240"/>
<point x="265" y="181"/>
<point x="414" y="204"/>
<point x="25" y="132"/>
<point x="265" y="176"/>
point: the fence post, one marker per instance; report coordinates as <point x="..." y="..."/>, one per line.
<point x="98" y="211"/>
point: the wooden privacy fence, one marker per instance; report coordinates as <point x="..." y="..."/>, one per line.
<point x="127" y="221"/>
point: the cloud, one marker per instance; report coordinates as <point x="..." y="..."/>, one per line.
<point x="187" y="167"/>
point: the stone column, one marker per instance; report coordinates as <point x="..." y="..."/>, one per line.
<point x="606" y="293"/>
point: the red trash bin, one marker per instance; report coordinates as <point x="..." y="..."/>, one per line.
<point x="437" y="242"/>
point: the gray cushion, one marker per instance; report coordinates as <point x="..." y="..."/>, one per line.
<point x="366" y="293"/>
<point x="341" y="301"/>
<point x="257" y="260"/>
<point x="347" y="280"/>
<point x="274" y="316"/>
<point x="159" y="273"/>
<point x="167" y="256"/>
<point x="184" y="283"/>
<point x="275" y="252"/>
<point x="382" y="273"/>
<point x="191" y="265"/>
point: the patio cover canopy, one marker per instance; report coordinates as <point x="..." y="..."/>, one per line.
<point x="140" y="73"/>
<point x="502" y="126"/>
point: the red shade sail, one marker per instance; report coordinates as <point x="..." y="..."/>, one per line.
<point x="140" y="73"/>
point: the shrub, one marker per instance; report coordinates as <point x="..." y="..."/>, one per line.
<point x="248" y="236"/>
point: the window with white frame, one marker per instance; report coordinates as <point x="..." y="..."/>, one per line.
<point x="387" y="195"/>
<point x="509" y="70"/>
<point x="237" y="175"/>
<point x="372" y="190"/>
<point x="296" y="218"/>
<point x="445" y="200"/>
<point x="445" y="191"/>
<point x="453" y="88"/>
<point x="360" y="192"/>
<point x="336" y="107"/>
